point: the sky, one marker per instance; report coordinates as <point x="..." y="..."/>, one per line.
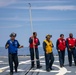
<point x="53" y="17"/>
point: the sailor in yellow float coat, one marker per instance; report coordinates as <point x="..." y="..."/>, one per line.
<point x="48" y="47"/>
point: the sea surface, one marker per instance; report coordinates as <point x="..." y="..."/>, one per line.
<point x="25" y="51"/>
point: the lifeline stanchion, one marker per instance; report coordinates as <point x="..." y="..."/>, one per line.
<point x="32" y="31"/>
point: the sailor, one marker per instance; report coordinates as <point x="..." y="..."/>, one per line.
<point x="12" y="45"/>
<point x="33" y="47"/>
<point x="71" y="48"/>
<point x="48" y="47"/>
<point x="61" y="46"/>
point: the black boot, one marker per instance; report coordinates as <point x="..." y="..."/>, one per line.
<point x="39" y="67"/>
<point x="70" y="65"/>
<point x="15" y="69"/>
<point x="48" y="70"/>
<point x="11" y="73"/>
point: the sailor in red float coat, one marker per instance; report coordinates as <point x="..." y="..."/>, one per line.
<point x="61" y="45"/>
<point x="71" y="44"/>
<point x="34" y="42"/>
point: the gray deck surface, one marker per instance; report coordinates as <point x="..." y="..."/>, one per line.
<point x="24" y="67"/>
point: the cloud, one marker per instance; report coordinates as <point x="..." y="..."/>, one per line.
<point x="58" y="7"/>
<point x="65" y="7"/>
<point x="14" y="19"/>
<point x="36" y="19"/>
<point x="43" y="1"/>
<point x="9" y="2"/>
<point x="70" y="7"/>
<point x="6" y="2"/>
<point x="11" y="26"/>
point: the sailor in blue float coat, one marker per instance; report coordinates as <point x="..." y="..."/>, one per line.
<point x="13" y="46"/>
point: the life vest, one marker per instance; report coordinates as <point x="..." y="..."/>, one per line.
<point x="62" y="44"/>
<point x="71" y="42"/>
<point x="35" y="41"/>
<point x="48" y="46"/>
<point x="13" y="46"/>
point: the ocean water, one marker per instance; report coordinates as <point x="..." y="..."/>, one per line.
<point x="25" y="51"/>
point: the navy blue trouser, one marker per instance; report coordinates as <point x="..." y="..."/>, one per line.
<point x="61" y="57"/>
<point x="70" y="53"/>
<point x="13" y="58"/>
<point x="49" y="59"/>
<point x="32" y="57"/>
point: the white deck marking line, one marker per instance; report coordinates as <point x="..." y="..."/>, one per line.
<point x="22" y="62"/>
<point x="1" y="71"/>
<point x="61" y="71"/>
<point x="21" y="70"/>
<point x="1" y="61"/>
<point x="3" y="68"/>
<point x="42" y="61"/>
<point x="25" y="62"/>
<point x="39" y="70"/>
